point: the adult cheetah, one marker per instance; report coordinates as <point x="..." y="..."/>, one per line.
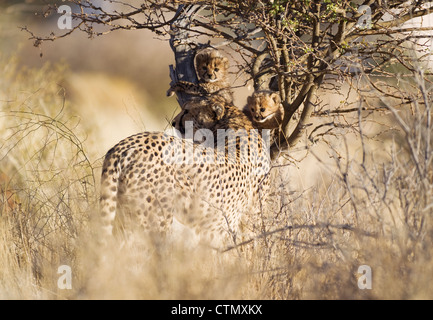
<point x="151" y="179"/>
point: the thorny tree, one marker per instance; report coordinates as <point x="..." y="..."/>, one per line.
<point x="295" y="47"/>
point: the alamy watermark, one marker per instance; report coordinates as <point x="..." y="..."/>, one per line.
<point x="65" y="279"/>
<point x="229" y="146"/>
<point x="365" y="279"/>
<point x="364" y="21"/>
<point x="65" y="20"/>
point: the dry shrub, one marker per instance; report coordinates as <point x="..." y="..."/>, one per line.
<point x="375" y="210"/>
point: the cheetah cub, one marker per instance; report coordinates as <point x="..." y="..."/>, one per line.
<point x="211" y="68"/>
<point x="265" y="109"/>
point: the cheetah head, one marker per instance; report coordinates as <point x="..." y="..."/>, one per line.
<point x="265" y="108"/>
<point x="211" y="65"/>
<point x="203" y="114"/>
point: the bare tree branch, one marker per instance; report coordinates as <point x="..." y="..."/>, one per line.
<point x="301" y="45"/>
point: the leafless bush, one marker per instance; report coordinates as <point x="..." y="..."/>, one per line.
<point x="376" y="210"/>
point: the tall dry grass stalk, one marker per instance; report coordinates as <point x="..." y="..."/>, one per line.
<point x="374" y="209"/>
<point x="50" y="175"/>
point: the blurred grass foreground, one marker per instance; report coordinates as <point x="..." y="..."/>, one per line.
<point x="369" y="207"/>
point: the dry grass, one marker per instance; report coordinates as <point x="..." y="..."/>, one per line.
<point x="370" y="205"/>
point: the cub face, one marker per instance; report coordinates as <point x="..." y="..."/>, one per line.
<point x="211" y="66"/>
<point x="265" y="109"/>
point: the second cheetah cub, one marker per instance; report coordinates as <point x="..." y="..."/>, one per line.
<point x="265" y="109"/>
<point x="211" y="68"/>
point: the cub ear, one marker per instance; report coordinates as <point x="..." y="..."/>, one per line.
<point x="200" y="57"/>
<point x="218" y="109"/>
<point x="225" y="62"/>
<point x="275" y="96"/>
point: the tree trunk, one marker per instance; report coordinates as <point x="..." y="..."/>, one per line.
<point x="184" y="51"/>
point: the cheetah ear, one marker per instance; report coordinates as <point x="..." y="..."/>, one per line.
<point x="218" y="109"/>
<point x="276" y="97"/>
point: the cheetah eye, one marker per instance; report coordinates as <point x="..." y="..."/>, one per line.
<point x="262" y="109"/>
<point x="217" y="69"/>
<point x="252" y="109"/>
<point x="204" y="68"/>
